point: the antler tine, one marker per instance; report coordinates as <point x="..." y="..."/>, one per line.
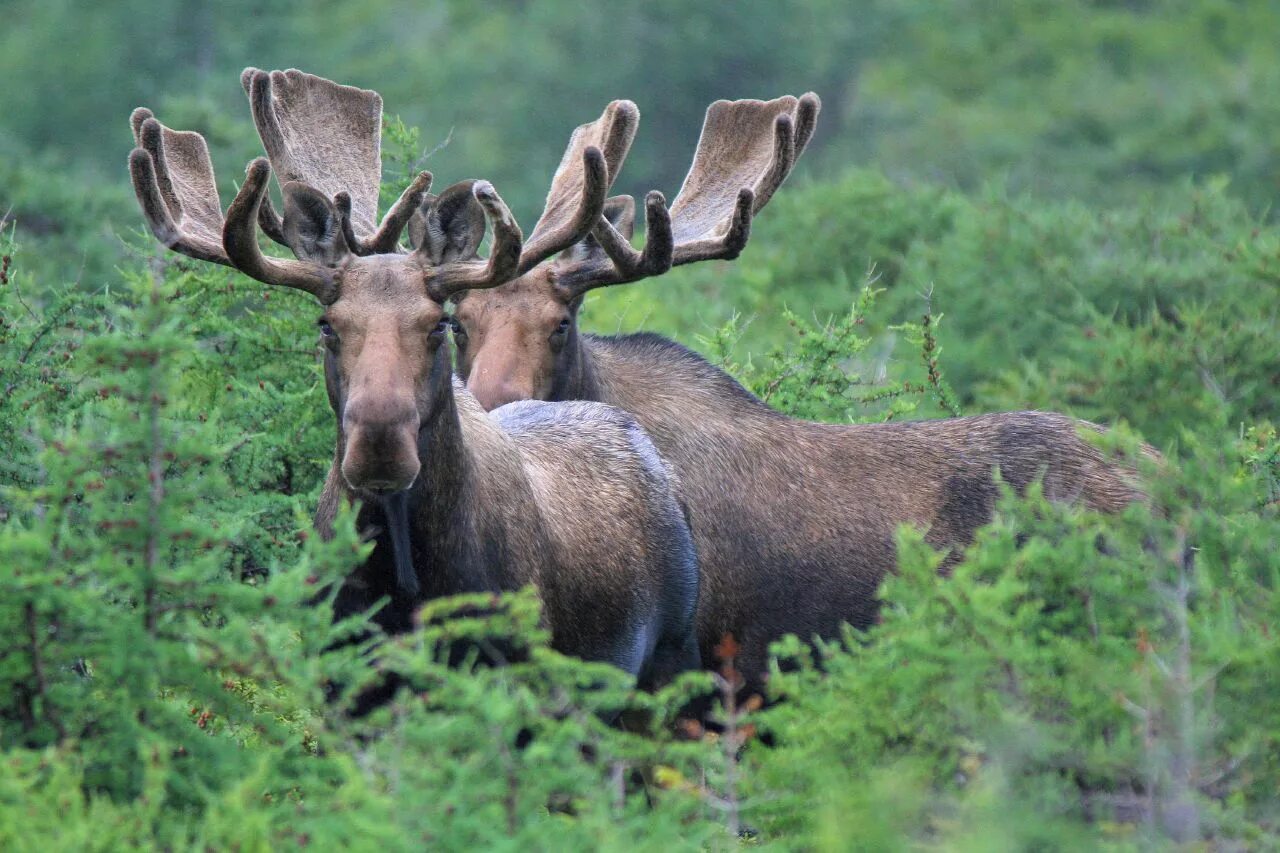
<point x="565" y="228"/>
<point x="329" y="136"/>
<point x="264" y="119"/>
<point x="806" y="120"/>
<point x="784" y="157"/>
<point x="240" y="242"/>
<point x="173" y="179"/>
<point x="726" y="246"/>
<point x="387" y="237"/>
<point x="622" y="263"/>
<point x="504" y="253"/>
<point x="271" y="223"/>
<point x="592" y="160"/>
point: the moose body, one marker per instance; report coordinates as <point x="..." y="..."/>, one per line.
<point x="795" y="522"/>
<point x="570" y="498"/>
<point x="497" y="506"/>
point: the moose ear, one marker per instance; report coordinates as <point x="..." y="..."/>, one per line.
<point x="311" y="227"/>
<point x="620" y="211"/>
<point x="448" y="227"/>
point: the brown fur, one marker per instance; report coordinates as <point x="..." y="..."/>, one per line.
<point x="571" y="498"/>
<point x="497" y="501"/>
<point x="794" y="521"/>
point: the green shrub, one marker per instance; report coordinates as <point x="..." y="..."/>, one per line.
<point x="165" y="671"/>
<point x="1078" y="680"/>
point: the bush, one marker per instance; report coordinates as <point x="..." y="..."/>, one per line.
<point x="1078" y="680"/>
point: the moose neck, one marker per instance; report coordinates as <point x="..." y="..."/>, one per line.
<point x="441" y="504"/>
<point x="576" y="377"/>
<point x="421" y="550"/>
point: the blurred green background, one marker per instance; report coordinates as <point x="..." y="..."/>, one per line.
<point x="1104" y="101"/>
<point x="1043" y="175"/>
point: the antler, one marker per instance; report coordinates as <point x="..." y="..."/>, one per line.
<point x="240" y="240"/>
<point x="747" y="149"/>
<point x="328" y="136"/>
<point x="173" y="179"/>
<point x="467" y="273"/>
<point x="594" y="156"/>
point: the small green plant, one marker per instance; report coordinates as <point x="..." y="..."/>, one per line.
<point x="1075" y="680"/>
<point x="835" y="371"/>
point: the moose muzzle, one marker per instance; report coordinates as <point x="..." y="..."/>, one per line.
<point x="382" y="445"/>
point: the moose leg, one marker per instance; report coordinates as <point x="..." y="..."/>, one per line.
<point x="670" y="658"/>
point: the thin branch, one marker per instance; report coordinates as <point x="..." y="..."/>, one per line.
<point x="444" y="143"/>
<point x="37" y="668"/>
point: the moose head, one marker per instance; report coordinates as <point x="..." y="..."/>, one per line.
<point x="520" y="341"/>
<point x="384" y="318"/>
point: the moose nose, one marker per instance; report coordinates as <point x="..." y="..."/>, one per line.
<point x="382" y="446"/>
<point x="493" y="394"/>
<point x="384" y="486"/>
<point x="374" y="416"/>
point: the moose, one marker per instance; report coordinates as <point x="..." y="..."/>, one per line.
<point x="794" y="521"/>
<point x="462" y="500"/>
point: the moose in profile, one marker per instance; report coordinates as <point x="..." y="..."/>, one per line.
<point x="794" y="521"/>
<point x="569" y="497"/>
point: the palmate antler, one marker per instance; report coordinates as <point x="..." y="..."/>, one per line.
<point x="592" y="160"/>
<point x="747" y="149"/>
<point x="323" y="225"/>
<point x="173" y="179"/>
<point x="329" y="136"/>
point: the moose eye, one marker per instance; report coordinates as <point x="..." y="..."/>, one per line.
<point x="443" y="326"/>
<point x="325" y="329"/>
<point x="563" y="328"/>
<point x="456" y="325"/>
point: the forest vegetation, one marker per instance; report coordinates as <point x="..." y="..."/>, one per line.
<point x="1064" y="206"/>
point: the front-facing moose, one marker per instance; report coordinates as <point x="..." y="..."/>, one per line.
<point x="466" y="501"/>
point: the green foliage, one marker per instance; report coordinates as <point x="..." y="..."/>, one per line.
<point x="1085" y="98"/>
<point x="1075" y="682"/>
<point x="1133" y="312"/>
<point x="823" y="376"/>
<point x="128" y="639"/>
<point x="1078" y="680"/>
<point x="166" y="666"/>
